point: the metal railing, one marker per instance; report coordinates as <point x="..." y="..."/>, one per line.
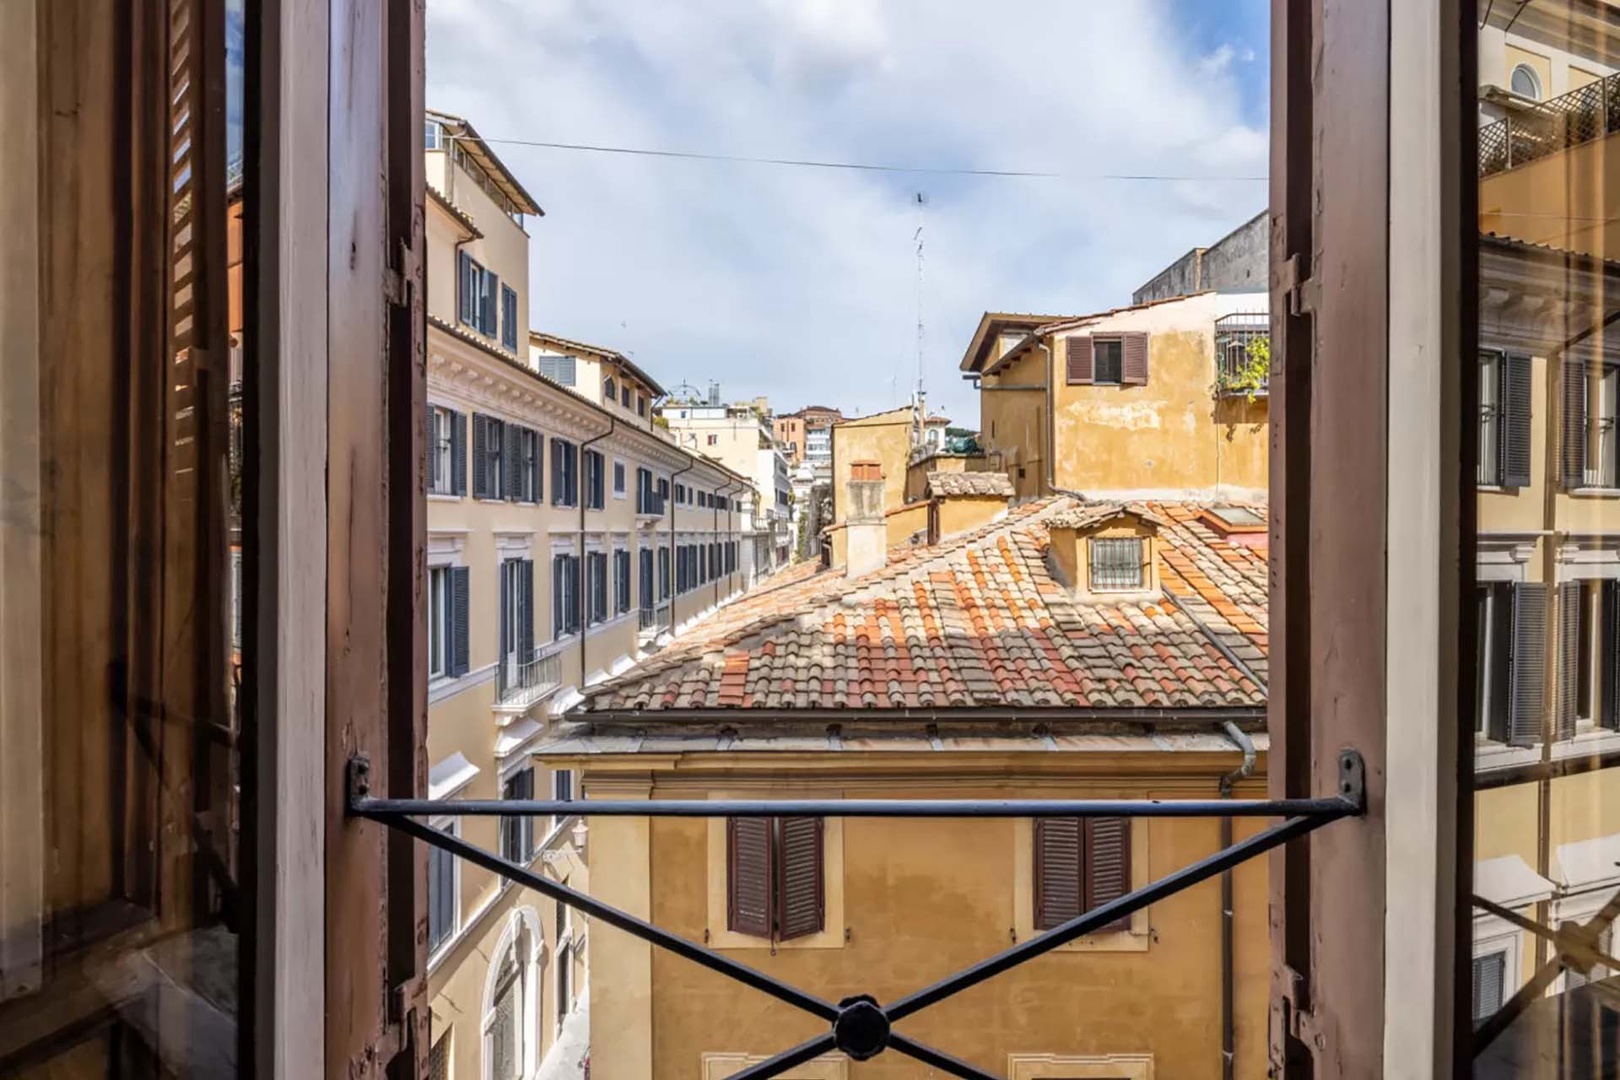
<point x="654" y="618"/>
<point x="1234" y="334"/>
<point x="522" y="682"/>
<point x="859" y="1026"/>
<point x="649" y="502"/>
<point x="1532" y="132"/>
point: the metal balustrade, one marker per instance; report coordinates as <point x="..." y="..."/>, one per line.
<point x="860" y="1026"/>
<point x="1536" y="131"/>
<point x="518" y="683"/>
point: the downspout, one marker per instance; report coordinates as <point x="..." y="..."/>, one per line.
<point x="714" y="527"/>
<point x="1048" y="422"/>
<point x="673" y="578"/>
<point x="585" y="623"/>
<point x="1227" y="783"/>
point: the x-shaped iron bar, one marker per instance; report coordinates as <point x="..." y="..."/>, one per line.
<point x="862" y="1028"/>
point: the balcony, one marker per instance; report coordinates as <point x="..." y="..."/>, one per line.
<point x="649" y="504"/>
<point x="1536" y="131"/>
<point x="1243" y="354"/>
<point x="520" y="685"/>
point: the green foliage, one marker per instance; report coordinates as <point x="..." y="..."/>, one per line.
<point x="1249" y="377"/>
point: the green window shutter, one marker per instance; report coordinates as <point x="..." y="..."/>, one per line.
<point x="458" y="453"/>
<point x="1058" y="870"/>
<point x="1078" y="360"/>
<point x="480" y="456"/>
<point x="1527" y="664"/>
<point x="1134" y="369"/>
<point x="525" y="641"/>
<point x="1572" y="425"/>
<point x="749" y="858"/>
<point x="511" y="462"/>
<point x="1515" y="424"/>
<point x="1569" y="657"/>
<point x="460" y="601"/>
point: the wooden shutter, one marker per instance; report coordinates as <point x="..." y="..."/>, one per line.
<point x="466" y="300"/>
<point x="749" y="853"/>
<point x="486" y="309"/>
<point x="1077" y="358"/>
<point x="1058" y="892"/>
<point x="460" y="601"/>
<point x="525" y="641"/>
<point x="1573" y="424"/>
<point x="1515" y="424"/>
<point x="480" y="456"/>
<point x="1134" y="367"/>
<point x="1569" y="657"/>
<point x="1499" y="706"/>
<point x="1609" y="655"/>
<point x="1108" y="864"/>
<point x="800" y="892"/>
<point x="458" y="453"/>
<point x="556" y="472"/>
<point x="511" y="462"/>
<point x="1527" y="664"/>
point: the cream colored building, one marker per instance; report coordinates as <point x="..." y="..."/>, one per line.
<point x="567" y="537"/>
<point x="743" y="436"/>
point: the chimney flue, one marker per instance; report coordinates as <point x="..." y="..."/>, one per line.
<point x="866" y="534"/>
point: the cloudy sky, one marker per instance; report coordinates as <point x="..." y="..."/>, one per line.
<point x="802" y="283"/>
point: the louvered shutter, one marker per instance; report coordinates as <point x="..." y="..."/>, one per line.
<point x="467" y="302"/>
<point x="1077" y="357"/>
<point x="1609" y="656"/>
<point x="1569" y="656"/>
<point x="1500" y="633"/>
<point x="486" y="308"/>
<point x="1108" y="864"/>
<point x="800" y="893"/>
<point x="511" y="462"/>
<point x="748" y="876"/>
<point x="1488" y="984"/>
<point x="1515" y="426"/>
<point x="1134" y="367"/>
<point x="431" y="436"/>
<point x="556" y="472"/>
<point x="460" y="601"/>
<point x="558" y="624"/>
<point x="1058" y="892"/>
<point x="525" y="641"/>
<point x="1527" y="664"/>
<point x="480" y="456"/>
<point x="458" y="453"/>
<point x="1573" y="424"/>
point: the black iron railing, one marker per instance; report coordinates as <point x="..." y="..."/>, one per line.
<point x="1239" y="369"/>
<point x="1536" y="131"/>
<point x="861" y="1027"/>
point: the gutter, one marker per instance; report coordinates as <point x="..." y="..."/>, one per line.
<point x="715" y="527"/>
<point x="585" y="622"/>
<point x="941" y="714"/>
<point x="1228" y="989"/>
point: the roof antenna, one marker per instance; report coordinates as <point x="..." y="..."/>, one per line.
<point x="920" y="199"/>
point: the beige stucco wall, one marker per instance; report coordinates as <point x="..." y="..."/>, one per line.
<point x="902" y="524"/>
<point x="963" y="512"/>
<point x="1566" y="200"/>
<point x="1012" y="421"/>
<point x="884" y="438"/>
<point x="503" y="249"/>
<point x="920" y="900"/>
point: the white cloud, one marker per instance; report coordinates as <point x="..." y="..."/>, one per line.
<point x="801" y="283"/>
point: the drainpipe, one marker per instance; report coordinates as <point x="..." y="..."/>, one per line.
<point x="673" y="590"/>
<point x="1227" y="783"/>
<point x="585" y="622"/>
<point x="714" y="526"/>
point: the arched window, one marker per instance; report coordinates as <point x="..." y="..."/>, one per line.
<point x="1525" y="82"/>
<point x="512" y="1000"/>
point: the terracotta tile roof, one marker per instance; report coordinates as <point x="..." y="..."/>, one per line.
<point x="977" y="620"/>
<point x="970" y="483"/>
<point x="1087" y="515"/>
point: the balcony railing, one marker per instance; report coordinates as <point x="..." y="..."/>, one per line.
<point x="522" y="683"/>
<point x="1239" y="370"/>
<point x="1531" y="132"/>
<point x="649" y="503"/>
<point x="654" y="620"/>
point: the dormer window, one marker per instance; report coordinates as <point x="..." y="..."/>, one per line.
<point x="610" y="389"/>
<point x="1117" y="563"/>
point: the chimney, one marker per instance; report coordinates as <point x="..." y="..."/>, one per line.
<point x="865" y="532"/>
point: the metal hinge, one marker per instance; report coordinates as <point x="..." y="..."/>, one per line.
<point x="1303" y="293"/>
<point x="395" y="279"/>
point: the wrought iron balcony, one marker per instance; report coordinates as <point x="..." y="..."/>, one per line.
<point x="520" y="684"/>
<point x="1536" y="131"/>
<point x="1239" y="368"/>
<point x="649" y="504"/>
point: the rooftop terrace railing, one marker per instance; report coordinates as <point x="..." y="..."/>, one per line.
<point x="1532" y="132"/>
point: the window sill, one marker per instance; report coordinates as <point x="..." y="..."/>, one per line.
<point x="1120" y="941"/>
<point x="444" y="496"/>
<point x="1594" y="492"/>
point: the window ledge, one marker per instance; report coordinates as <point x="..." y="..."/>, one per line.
<point x="444" y="496"/>
<point x="1595" y="492"/>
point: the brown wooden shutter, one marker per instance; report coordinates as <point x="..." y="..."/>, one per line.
<point x="1527" y="664"/>
<point x="1077" y="354"/>
<point x="1058" y="891"/>
<point x="1108" y="864"/>
<point x="1573" y="424"/>
<point x="749" y="850"/>
<point x="1134" y="367"/>
<point x="800" y="893"/>
<point x="1569" y="657"/>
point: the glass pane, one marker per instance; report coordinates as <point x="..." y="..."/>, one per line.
<point x="1546" y="730"/>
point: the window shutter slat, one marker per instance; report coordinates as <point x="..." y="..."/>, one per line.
<point x="1108" y="864"/>
<point x="1569" y="658"/>
<point x="511" y="473"/>
<point x="1500" y="612"/>
<point x="1573" y="421"/>
<point x="1134" y="369"/>
<point x="458" y="453"/>
<point x="480" y="453"/>
<point x="525" y="642"/>
<point x="1609" y="646"/>
<point x="1078" y="358"/>
<point x="487" y="308"/>
<point x="1515" y="442"/>
<point x="1058" y="893"/>
<point x="1528" y="664"/>
<point x="748" y="876"/>
<point x="464" y="297"/>
<point x="800" y="895"/>
<point x="460" y="601"/>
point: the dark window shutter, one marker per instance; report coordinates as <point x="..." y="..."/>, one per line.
<point x="511" y="462"/>
<point x="431" y="438"/>
<point x="1058" y="894"/>
<point x="525" y="641"/>
<point x="1134" y="369"/>
<point x="800" y="891"/>
<point x="1569" y="656"/>
<point x="480" y="456"/>
<point x="558" y="624"/>
<point x="1527" y="664"/>
<point x="1499" y="705"/>
<point x="1515" y="424"/>
<point x="467" y="302"/>
<point x="1573" y="421"/>
<point x="1609" y="650"/>
<point x="486" y="312"/>
<point x="1108" y="864"/>
<point x="1077" y="353"/>
<point x="458" y="453"/>
<point x="460" y="601"/>
<point x="748" y="876"/>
